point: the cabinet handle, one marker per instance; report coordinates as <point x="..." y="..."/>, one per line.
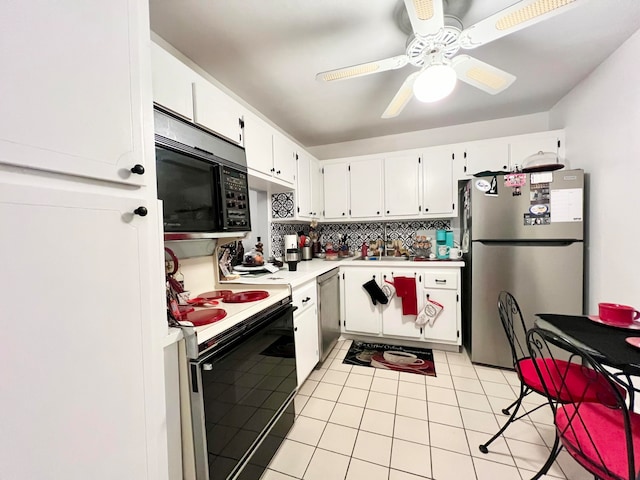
<point x="142" y="211"/>
<point x="306" y="300"/>
<point x="278" y="172"/>
<point x="273" y="169"/>
<point x="207" y="366"/>
<point x="440" y="281"/>
<point x="137" y="169"/>
<point x="295" y="329"/>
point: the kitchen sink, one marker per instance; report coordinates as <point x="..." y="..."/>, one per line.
<point x="383" y="259"/>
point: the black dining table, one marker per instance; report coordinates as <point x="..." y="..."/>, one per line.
<point x="605" y="343"/>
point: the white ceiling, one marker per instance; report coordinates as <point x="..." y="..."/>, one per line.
<point x="269" y="51"/>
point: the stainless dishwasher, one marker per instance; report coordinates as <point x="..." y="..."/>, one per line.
<point x="328" y="311"/>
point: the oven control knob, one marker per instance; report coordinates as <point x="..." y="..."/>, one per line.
<point x="207" y="366"/>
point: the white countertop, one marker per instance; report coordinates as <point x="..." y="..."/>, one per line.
<point x="310" y="269"/>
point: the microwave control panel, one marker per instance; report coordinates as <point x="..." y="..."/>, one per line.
<point x="235" y="199"/>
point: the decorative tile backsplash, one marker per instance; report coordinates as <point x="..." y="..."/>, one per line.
<point x="282" y="205"/>
<point x="357" y="233"/>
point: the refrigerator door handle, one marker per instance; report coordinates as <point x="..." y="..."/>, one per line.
<point x="530" y="243"/>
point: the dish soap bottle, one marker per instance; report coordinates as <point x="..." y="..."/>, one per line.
<point x="364" y="251"/>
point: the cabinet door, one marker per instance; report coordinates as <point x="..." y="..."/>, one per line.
<point x="336" y="191"/>
<point x="85" y="284"/>
<point x="74" y="87"/>
<point x="402" y="185"/>
<point x="305" y="326"/>
<point x="445" y="328"/>
<point x="360" y="315"/>
<point x="438" y="182"/>
<point x="316" y="189"/>
<point x="284" y="158"/>
<point x="172" y="81"/>
<point x="394" y="323"/>
<point x="365" y="181"/>
<point x="523" y="147"/>
<point x="487" y="155"/>
<point x="303" y="186"/>
<point x="216" y="111"/>
<point x="258" y="144"/>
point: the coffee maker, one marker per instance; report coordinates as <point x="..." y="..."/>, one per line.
<point x="291" y="252"/>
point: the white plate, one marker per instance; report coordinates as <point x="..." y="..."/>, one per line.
<point x="246" y="269"/>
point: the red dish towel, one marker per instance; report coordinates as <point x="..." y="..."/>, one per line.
<point x="406" y="289"/>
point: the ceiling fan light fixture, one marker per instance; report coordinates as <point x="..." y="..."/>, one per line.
<point x="529" y="12"/>
<point x="434" y="83"/>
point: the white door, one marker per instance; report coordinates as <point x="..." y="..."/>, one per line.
<point x="438" y="182"/>
<point x="284" y="158"/>
<point x="172" y="81"/>
<point x="216" y="111"/>
<point x="445" y="327"/>
<point x="394" y="323"/>
<point x="360" y="315"/>
<point x="303" y="186"/>
<point x="73" y="85"/>
<point x="402" y="185"/>
<point x="83" y="285"/>
<point x="365" y="181"/>
<point x="316" y="189"/>
<point x="258" y="144"/>
<point x="305" y="326"/>
<point x="336" y="191"/>
<point x="488" y="155"/>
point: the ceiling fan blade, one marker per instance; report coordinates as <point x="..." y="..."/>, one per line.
<point x="362" y="69"/>
<point x="516" y="17"/>
<point x="401" y="98"/>
<point x="481" y="75"/>
<point x="426" y="16"/>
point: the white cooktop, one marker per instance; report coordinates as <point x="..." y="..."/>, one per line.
<point x="237" y="312"/>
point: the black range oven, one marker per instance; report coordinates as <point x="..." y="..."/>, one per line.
<point x="242" y="386"/>
<point x="202" y="180"/>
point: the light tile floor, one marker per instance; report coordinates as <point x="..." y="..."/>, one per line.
<point x="361" y="423"/>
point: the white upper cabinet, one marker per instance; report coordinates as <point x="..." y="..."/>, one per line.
<point x="402" y="185"/>
<point x="216" y="111"/>
<point x="172" y="81"/>
<point x="91" y="124"/>
<point x="304" y="187"/>
<point x="487" y="155"/>
<point x="317" y="196"/>
<point x="522" y="147"/>
<point x="284" y="158"/>
<point x="365" y="181"/>
<point x="438" y="182"/>
<point x="336" y="190"/>
<point x="258" y="144"/>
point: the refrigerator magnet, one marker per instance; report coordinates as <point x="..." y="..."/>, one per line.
<point x="483" y="185"/>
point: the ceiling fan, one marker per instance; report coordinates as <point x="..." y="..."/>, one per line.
<point x="436" y="40"/>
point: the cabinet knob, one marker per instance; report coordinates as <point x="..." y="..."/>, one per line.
<point x="378" y="212"/>
<point x="142" y="211"/>
<point x="137" y="169"/>
<point x="426" y="209"/>
<point x="295" y="329"/>
<point x="342" y="213"/>
<point x="388" y="212"/>
<point x="504" y="167"/>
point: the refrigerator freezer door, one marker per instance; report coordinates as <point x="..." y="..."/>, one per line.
<point x="502" y="216"/>
<point x="542" y="278"/>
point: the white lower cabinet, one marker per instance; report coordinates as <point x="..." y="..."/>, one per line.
<point x="360" y="314"/>
<point x="305" y="325"/>
<point x="387" y="321"/>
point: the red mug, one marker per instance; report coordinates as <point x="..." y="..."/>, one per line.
<point x="616" y="313"/>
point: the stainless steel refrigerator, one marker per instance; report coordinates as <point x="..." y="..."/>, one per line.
<point x="524" y="234"/>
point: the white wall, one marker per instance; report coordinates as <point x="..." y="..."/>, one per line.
<point x="601" y="118"/>
<point x="502" y="127"/>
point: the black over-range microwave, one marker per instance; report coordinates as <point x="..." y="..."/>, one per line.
<point x="202" y="181"/>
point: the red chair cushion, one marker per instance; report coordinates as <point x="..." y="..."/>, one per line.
<point x="607" y="442"/>
<point x="566" y="382"/>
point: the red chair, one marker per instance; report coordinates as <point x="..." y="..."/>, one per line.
<point x="603" y="436"/>
<point x="549" y="386"/>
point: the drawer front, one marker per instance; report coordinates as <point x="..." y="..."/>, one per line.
<point x="441" y="279"/>
<point x="304" y="296"/>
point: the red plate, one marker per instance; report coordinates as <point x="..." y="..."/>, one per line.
<point x="205" y="317"/>
<point x="630" y="326"/>
<point x="633" y="341"/>
<point x="215" y="294"/>
<point x="248" y="296"/>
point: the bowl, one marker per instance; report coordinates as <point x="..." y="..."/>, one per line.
<point x="320" y="255"/>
